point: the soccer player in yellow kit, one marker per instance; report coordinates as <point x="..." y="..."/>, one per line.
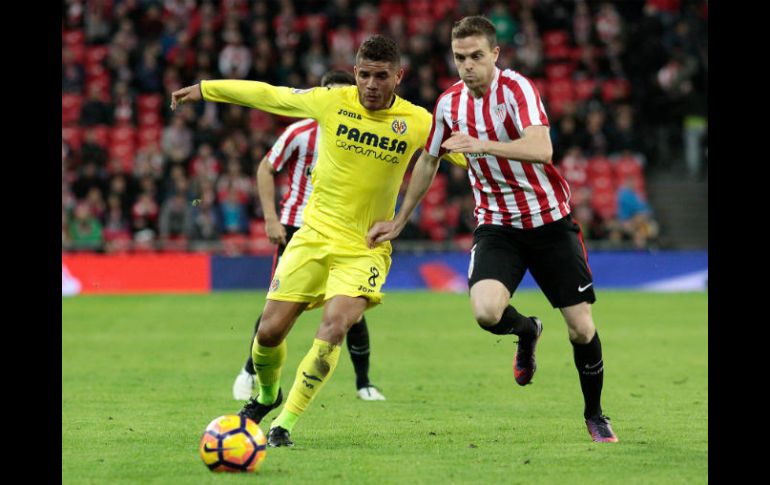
<point x="368" y="135"/>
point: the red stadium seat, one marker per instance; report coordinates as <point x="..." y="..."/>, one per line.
<point x="123" y="135"/>
<point x="149" y="102"/>
<point x="78" y="52"/>
<point x="95" y="55"/>
<point x="150" y="119"/>
<point x="599" y="166"/>
<point x="124" y="152"/>
<point x="73" y="136"/>
<point x="234" y="244"/>
<point x="70" y="107"/>
<point x="148" y="135"/>
<point x="553" y="38"/>
<point x="390" y="8"/>
<point x="257" y="228"/>
<point x="561" y="89"/>
<point x="559" y="70"/>
<point x="604" y="203"/>
<point x="260" y="245"/>
<point x="102" y="83"/>
<point x="102" y="133"/>
<point x="630" y="167"/>
<point x="419" y="23"/>
<point x="95" y="71"/>
<point x="558" y="52"/>
<point x="436" y="194"/>
<point x="464" y="241"/>
<point x="584" y="88"/>
<point x="574" y="170"/>
<point x="73" y="37"/>
<point x="602" y="182"/>
<point x="443" y="8"/>
<point x="613" y="89"/>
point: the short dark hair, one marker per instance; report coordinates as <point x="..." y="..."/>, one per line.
<point x="475" y="25"/>
<point x="379" y="48"/>
<point x="337" y="77"/>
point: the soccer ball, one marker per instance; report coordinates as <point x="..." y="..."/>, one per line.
<point x="233" y="444"/>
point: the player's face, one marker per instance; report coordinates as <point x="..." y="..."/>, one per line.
<point x="377" y="81"/>
<point x="475" y="61"/>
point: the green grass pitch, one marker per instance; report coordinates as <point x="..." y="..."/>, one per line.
<point x="143" y="375"/>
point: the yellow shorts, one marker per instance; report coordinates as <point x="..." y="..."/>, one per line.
<point x="314" y="268"/>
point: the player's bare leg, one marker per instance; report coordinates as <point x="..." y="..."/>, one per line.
<point x="340" y="313"/>
<point x="269" y="354"/>
<point x="489" y="300"/>
<point x="587" y="349"/>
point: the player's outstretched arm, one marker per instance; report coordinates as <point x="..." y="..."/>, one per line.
<point x="422" y="176"/>
<point x="298" y="103"/>
<point x="189" y="94"/>
<point x="534" y="146"/>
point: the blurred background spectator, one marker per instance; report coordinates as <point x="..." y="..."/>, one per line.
<point x="624" y="83"/>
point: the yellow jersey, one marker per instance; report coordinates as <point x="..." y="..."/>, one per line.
<point x="362" y="154"/>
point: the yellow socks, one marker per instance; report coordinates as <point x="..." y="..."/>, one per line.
<point x="268" y="362"/>
<point x="314" y="370"/>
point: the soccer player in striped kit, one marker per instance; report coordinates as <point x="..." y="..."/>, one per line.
<point x="496" y="118"/>
<point x="296" y="152"/>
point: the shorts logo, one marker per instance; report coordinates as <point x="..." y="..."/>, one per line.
<point x="373" y="279"/>
<point x="399" y="127"/>
<point x="274" y="284"/>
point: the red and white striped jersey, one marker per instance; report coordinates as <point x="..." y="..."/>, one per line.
<point x="507" y="192"/>
<point x="295" y="150"/>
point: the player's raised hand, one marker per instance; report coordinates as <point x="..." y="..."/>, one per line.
<point x="383" y="231"/>
<point x="463" y="143"/>
<point x="276" y="232"/>
<point x="185" y="95"/>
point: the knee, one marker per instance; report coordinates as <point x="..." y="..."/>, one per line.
<point x="334" y="328"/>
<point x="581" y="327"/>
<point x="487" y="314"/>
<point x="268" y="335"/>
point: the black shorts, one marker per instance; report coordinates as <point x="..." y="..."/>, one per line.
<point x="553" y="253"/>
<point x="290" y="230"/>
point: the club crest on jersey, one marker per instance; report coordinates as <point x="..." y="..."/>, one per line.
<point x="500" y="112"/>
<point x="399" y="127"/>
<point x="274" y="284"/>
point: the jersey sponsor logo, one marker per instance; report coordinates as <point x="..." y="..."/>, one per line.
<point x="301" y="91"/>
<point x="371" y="139"/>
<point x="398" y="126"/>
<point x="275" y="284"/>
<point x="477" y="155"/>
<point x="349" y="114"/>
<point x="364" y="289"/>
<point x="367" y="152"/>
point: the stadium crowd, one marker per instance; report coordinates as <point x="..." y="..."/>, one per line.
<point x="624" y="85"/>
